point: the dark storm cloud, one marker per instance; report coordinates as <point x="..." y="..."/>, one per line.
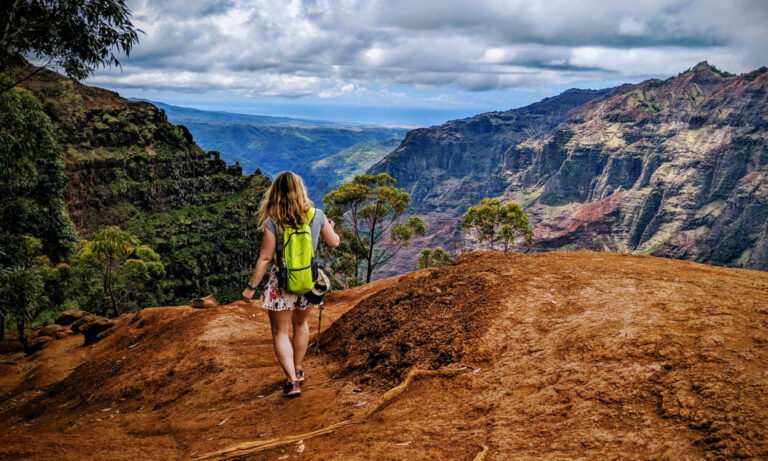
<point x="328" y="48"/>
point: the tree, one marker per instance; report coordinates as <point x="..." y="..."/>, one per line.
<point x="33" y="219"/>
<point x="491" y="219"/>
<point x="22" y="295"/>
<point x="33" y="180"/>
<point x="371" y="207"/>
<point x="342" y="263"/>
<point x="115" y="272"/>
<point x="75" y="35"/>
<point x="22" y="290"/>
<point x="141" y="275"/>
<point x="433" y="258"/>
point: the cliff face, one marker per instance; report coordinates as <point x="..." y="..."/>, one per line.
<point x="675" y="168"/>
<point x="453" y="166"/>
<point x="126" y="165"/>
<point x="672" y="168"/>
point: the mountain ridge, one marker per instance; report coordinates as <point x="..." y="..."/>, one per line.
<point x="705" y="124"/>
<point x="490" y="132"/>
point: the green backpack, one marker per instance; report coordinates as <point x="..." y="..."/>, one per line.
<point x="298" y="268"/>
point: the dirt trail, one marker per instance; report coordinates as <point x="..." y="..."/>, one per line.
<point x="556" y="355"/>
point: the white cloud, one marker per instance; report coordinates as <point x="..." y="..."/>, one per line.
<point x="329" y="48"/>
<point x="631" y="26"/>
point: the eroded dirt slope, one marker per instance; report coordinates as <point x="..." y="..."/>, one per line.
<point x="556" y="355"/>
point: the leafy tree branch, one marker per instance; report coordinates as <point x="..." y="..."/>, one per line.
<point x="371" y="207"/>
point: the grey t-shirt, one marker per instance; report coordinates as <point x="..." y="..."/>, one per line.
<point x="318" y="221"/>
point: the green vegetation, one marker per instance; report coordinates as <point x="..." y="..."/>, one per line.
<point x="196" y="212"/>
<point x="29" y="287"/>
<point x="330" y="172"/>
<point x="433" y="258"/>
<point x="650" y="106"/>
<point x="653" y="248"/>
<point x="207" y="245"/>
<point x="34" y="227"/>
<point x="343" y="262"/>
<point x="113" y="273"/>
<point x="492" y="219"/>
<point x="714" y="69"/>
<point x="301" y="149"/>
<point x="369" y="207"/>
<point x="532" y="198"/>
<point x="722" y="73"/>
<point x="109" y="275"/>
<point x="147" y="176"/>
<point x="33" y="179"/>
<point x="75" y="35"/>
<point x="755" y="73"/>
<point x="276" y="148"/>
<point x="128" y="167"/>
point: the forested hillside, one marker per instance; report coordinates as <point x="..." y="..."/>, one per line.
<point x="127" y="165"/>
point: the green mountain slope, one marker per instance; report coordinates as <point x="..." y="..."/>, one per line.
<point x="332" y="171"/>
<point x="277" y="148"/>
<point x="127" y="165"/>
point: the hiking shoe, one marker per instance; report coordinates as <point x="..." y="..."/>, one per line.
<point x="300" y="375"/>
<point x="291" y="389"/>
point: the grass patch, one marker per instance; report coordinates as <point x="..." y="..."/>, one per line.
<point x="535" y="195"/>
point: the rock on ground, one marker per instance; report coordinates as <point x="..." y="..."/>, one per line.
<point x="69" y="316"/>
<point x="37" y="343"/>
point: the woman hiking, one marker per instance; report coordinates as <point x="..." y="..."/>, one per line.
<point x="286" y="205"/>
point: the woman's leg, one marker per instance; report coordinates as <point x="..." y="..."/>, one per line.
<point x="300" y="335"/>
<point x="281" y="324"/>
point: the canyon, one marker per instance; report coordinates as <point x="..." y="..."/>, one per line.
<point x="673" y="168"/>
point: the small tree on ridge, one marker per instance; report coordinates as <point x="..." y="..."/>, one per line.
<point x="491" y="219"/>
<point x="370" y="207"/>
<point x="433" y="258"/>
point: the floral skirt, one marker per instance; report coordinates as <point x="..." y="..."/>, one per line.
<point x="277" y="299"/>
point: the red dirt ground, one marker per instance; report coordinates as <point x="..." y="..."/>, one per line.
<point x="551" y="355"/>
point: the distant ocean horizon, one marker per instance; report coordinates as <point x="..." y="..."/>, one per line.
<point x="342" y="113"/>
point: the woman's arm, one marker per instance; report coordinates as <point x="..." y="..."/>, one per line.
<point x="267" y="253"/>
<point x="329" y="235"/>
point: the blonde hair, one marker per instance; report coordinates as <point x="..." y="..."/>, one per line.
<point x="286" y="201"/>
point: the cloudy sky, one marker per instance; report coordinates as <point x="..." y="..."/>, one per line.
<point x="420" y="62"/>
